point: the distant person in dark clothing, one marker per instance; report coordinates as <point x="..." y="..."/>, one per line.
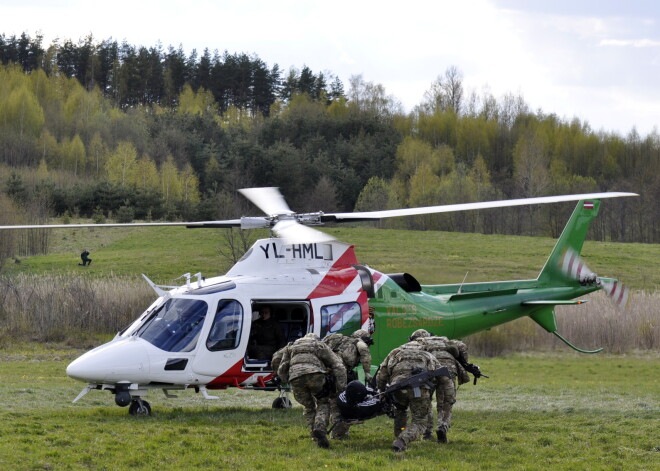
<point x="266" y="336"/>
<point x="85" y="258"/>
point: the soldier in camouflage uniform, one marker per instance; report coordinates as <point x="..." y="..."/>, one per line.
<point x="446" y="352"/>
<point x="401" y="363"/>
<point x="305" y="366"/>
<point x="278" y="356"/>
<point x="352" y="350"/>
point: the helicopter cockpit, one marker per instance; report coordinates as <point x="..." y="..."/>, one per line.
<point x="175" y="325"/>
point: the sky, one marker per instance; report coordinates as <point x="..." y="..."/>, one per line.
<point x="597" y="60"/>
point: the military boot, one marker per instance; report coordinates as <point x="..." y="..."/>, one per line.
<point x="442" y="436"/>
<point x="398" y="445"/>
<point x="321" y="438"/>
<point x="428" y="435"/>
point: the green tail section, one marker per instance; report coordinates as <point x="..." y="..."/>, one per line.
<point x="572" y="237"/>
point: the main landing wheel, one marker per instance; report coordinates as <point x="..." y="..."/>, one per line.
<point x="139" y="407"/>
<point x="282" y="402"/>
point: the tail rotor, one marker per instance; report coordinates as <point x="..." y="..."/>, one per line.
<point x="572" y="266"/>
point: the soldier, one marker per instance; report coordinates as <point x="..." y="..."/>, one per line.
<point x="278" y="356"/>
<point x="401" y="363"/>
<point x="352" y="350"/>
<point x="265" y="336"/>
<point x="446" y="352"/>
<point x="84" y="256"/>
<point x="305" y="366"/>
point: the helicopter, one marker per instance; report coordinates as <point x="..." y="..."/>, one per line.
<point x="198" y="335"/>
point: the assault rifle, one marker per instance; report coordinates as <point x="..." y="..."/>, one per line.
<point x="418" y="379"/>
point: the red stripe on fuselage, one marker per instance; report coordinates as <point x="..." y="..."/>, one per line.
<point x="232" y="377"/>
<point x="340" y="275"/>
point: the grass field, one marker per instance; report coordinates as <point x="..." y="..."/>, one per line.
<point x="165" y="253"/>
<point x="538" y="411"/>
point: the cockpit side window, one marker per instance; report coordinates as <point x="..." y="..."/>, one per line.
<point x="176" y="325"/>
<point x="225" y="332"/>
<point x="340" y="318"/>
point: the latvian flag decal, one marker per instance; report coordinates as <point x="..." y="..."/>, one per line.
<point x="588" y="205"/>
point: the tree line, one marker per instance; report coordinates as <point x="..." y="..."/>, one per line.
<point x="69" y="146"/>
<point x="137" y="75"/>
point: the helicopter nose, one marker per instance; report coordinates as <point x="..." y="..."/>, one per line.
<point x="123" y="360"/>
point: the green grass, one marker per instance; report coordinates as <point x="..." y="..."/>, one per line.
<point x="539" y="411"/>
<point x="166" y="253"/>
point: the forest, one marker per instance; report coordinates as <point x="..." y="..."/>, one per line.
<point x="103" y="130"/>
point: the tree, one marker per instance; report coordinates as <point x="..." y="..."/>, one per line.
<point x="169" y="180"/>
<point x="446" y="93"/>
<point x="374" y="196"/>
<point x="530" y="170"/>
<point x="121" y="164"/>
<point x="323" y="197"/>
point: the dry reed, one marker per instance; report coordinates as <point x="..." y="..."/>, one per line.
<point x="68" y="308"/>
<point x="598" y="323"/>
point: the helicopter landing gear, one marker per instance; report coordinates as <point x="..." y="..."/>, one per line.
<point x="282" y="402"/>
<point x="139" y="407"/>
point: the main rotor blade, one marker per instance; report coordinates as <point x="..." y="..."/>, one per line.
<point x="293" y="232"/>
<point x="268" y="199"/>
<point x="390" y="213"/>
<point x="226" y="223"/>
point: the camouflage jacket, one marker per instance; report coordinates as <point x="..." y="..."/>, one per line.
<point x="461" y="347"/>
<point x="278" y="356"/>
<point x="401" y="361"/>
<point x="306" y="356"/>
<point x="446" y="352"/>
<point x="351" y="350"/>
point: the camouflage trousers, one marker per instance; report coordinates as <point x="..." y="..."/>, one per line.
<point x="316" y="411"/>
<point x="340" y="428"/>
<point x="445" y="396"/>
<point x="420" y="407"/>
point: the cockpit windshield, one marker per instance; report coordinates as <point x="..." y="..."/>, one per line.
<point x="175" y="326"/>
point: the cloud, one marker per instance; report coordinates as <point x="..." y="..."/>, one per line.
<point x="629" y="42"/>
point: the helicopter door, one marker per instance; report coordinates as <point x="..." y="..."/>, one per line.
<point x="275" y="323"/>
<point x="221" y="350"/>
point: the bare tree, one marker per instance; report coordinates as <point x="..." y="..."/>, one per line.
<point x="446" y="93"/>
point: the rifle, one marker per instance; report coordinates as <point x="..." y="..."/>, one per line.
<point x="418" y="379"/>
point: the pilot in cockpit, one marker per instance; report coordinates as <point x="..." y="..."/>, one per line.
<point x="265" y="336"/>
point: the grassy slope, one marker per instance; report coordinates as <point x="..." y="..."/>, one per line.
<point x="433" y="257"/>
<point x="540" y="411"/>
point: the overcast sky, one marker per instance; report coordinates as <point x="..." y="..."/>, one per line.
<point x="598" y="60"/>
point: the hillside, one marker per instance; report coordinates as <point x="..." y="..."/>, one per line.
<point x="165" y="253"/>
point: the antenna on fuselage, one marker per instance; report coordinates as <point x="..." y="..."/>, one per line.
<point x="460" y="288"/>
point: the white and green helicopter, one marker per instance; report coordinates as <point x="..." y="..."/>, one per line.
<point x="198" y="335"/>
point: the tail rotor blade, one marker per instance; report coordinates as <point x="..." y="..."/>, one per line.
<point x="572" y="265"/>
<point x="617" y="291"/>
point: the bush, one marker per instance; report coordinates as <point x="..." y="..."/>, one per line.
<point x="125" y="214"/>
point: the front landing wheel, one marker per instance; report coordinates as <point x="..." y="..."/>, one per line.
<point x="139" y="407"/>
<point x="282" y="402"/>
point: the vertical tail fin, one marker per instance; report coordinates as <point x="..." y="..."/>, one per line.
<point x="572" y="238"/>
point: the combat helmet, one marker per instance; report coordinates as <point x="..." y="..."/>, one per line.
<point x="418" y="334"/>
<point x="363" y="335"/>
